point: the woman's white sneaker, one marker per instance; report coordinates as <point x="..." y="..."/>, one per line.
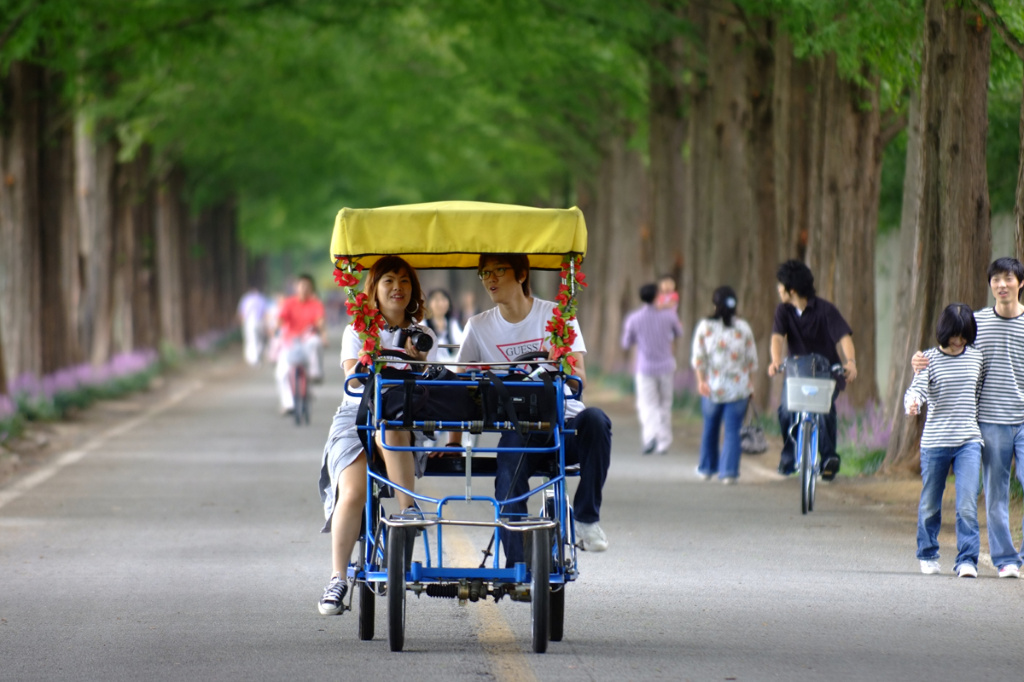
<point x="1009" y="571"/>
<point x="966" y="571"/>
<point x="930" y="567"/>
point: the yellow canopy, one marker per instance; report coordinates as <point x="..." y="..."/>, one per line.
<point x="453" y="234"/>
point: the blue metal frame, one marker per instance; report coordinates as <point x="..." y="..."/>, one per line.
<point x="814" y="419"/>
<point x="369" y="567"/>
<point x="805" y="417"/>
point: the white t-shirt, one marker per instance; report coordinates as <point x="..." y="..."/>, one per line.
<point x="489" y="337"/>
<point x="351" y="345"/>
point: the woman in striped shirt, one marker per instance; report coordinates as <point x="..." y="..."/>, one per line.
<point x="951" y="383"/>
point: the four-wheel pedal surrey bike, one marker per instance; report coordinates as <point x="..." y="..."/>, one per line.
<point x="810" y="385"/>
<point x="503" y="397"/>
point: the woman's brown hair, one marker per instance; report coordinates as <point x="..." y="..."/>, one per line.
<point x="396" y="264"/>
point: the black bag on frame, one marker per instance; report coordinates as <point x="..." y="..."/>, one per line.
<point x="510" y="399"/>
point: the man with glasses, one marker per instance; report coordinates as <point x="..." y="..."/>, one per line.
<point x="514" y="326"/>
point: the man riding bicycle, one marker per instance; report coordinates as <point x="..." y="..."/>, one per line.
<point x="303" y="336"/>
<point x="809" y="324"/>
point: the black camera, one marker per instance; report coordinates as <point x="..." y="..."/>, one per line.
<point x="421" y="340"/>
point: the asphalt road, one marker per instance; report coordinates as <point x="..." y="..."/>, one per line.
<point x="181" y="543"/>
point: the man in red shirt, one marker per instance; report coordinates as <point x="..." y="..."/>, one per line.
<point x="303" y="335"/>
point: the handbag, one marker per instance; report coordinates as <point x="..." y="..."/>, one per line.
<point x="518" y="399"/>
<point x="418" y="399"/>
<point x="752" y="438"/>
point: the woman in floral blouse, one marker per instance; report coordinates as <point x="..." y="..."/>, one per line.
<point x="725" y="358"/>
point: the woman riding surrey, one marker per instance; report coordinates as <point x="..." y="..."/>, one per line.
<point x="393" y="286"/>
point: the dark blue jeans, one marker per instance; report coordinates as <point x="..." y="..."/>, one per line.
<point x="590" y="447"/>
<point x="724" y="460"/>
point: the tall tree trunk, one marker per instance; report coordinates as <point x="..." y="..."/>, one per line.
<point x="123" y="280"/>
<point x="616" y="207"/>
<point x="844" y="211"/>
<point x="696" y="213"/>
<point x="792" y="159"/>
<point x="953" y="241"/>
<point x="20" y="254"/>
<point x="735" y="172"/>
<point x="664" y="251"/>
<point x="1018" y="205"/>
<point x="733" y="212"/>
<point x="904" y="344"/>
<point x="763" y="234"/>
<point x="59" y="235"/>
<point x="626" y="192"/>
<point x="145" y="320"/>
<point x="95" y="160"/>
<point x="169" y="259"/>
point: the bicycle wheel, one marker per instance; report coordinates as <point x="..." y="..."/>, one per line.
<point x="815" y="470"/>
<point x="397" y="538"/>
<point x="298" y="394"/>
<point x="540" y="589"/>
<point x="806" y="468"/>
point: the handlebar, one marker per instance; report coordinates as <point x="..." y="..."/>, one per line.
<point x="836" y="369"/>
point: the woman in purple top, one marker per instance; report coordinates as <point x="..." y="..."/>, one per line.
<point x="653" y="331"/>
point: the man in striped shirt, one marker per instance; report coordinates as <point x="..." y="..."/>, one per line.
<point x="653" y="331"/>
<point x="1001" y="405"/>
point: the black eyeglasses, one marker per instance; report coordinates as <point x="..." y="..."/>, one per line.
<point x="497" y="272"/>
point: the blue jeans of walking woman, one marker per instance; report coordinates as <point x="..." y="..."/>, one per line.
<point x="724" y="460"/>
<point x="935" y="463"/>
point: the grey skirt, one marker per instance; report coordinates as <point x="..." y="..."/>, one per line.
<point x="342" y="448"/>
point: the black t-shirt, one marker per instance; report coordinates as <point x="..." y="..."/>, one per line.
<point x="816" y="330"/>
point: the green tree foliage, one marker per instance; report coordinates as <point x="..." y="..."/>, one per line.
<point x="300" y="107"/>
<point x="297" y="107"/>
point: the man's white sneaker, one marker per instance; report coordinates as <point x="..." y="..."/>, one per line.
<point x="1009" y="571"/>
<point x="930" y="567"/>
<point x="966" y="571"/>
<point x="590" y="537"/>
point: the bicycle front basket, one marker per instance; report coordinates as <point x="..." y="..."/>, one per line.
<point x="809" y="395"/>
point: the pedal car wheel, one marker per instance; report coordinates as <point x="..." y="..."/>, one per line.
<point x="367" y="605"/>
<point x="366" y="611"/>
<point x="540" y="589"/>
<point x="557" y="614"/>
<point x="397" y="538"/>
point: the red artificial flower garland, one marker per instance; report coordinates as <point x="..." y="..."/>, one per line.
<point x="562" y="335"/>
<point x="366" y="319"/>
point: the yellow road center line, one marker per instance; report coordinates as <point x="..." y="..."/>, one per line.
<point x="508" y="662"/>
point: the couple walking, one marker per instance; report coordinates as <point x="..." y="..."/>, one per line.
<point x="998" y="404"/>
